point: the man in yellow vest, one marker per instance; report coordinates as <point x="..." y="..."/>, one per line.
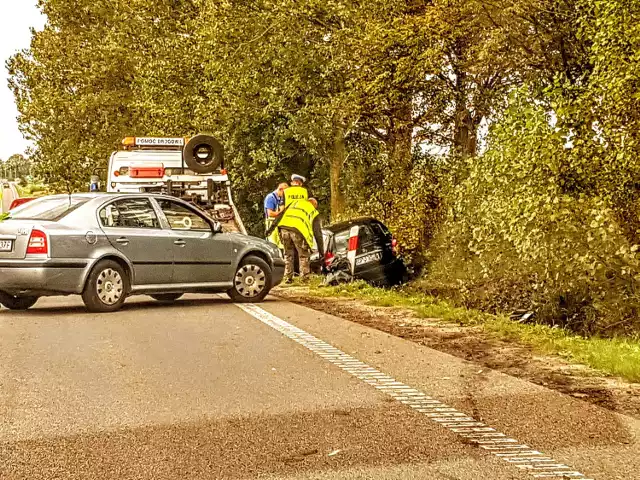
<point x="296" y="191"/>
<point x="299" y="226"/>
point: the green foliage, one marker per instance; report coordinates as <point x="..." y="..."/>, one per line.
<point x="16" y="166"/>
<point x="408" y="202"/>
<point x="536" y="223"/>
<point x="383" y="105"/>
<point x="286" y="85"/>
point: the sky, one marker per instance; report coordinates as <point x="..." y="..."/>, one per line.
<point x="16" y="19"/>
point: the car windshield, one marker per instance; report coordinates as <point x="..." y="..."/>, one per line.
<point x="47" y="209"/>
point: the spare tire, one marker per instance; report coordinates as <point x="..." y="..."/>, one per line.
<point x="203" y="154"/>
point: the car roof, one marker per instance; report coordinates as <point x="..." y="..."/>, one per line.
<point x="337" y="227"/>
<point x="110" y="195"/>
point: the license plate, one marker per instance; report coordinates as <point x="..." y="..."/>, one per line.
<point x="369" y="258"/>
<point x="6" y="245"/>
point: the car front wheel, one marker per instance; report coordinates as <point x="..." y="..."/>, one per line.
<point x="106" y="287"/>
<point x="17" y="303"/>
<point x="252" y="281"/>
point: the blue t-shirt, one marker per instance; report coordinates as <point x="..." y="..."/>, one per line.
<point x="271" y="202"/>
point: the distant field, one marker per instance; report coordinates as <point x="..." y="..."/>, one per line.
<point x="33" y="190"/>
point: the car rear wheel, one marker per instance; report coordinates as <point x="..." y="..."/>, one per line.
<point x="17" y="303"/>
<point x="106" y="288"/>
<point x="252" y="281"/>
<point x="166" y="297"/>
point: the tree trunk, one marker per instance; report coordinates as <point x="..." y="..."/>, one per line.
<point x="465" y="127"/>
<point x="466" y="133"/>
<point x="336" y="164"/>
<point x="401" y="139"/>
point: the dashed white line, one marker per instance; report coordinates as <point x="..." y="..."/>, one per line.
<point x="508" y="449"/>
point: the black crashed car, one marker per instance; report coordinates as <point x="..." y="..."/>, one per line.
<point x="377" y="260"/>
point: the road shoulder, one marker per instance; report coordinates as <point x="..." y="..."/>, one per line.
<point x="473" y="344"/>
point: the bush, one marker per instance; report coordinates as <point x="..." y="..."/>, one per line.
<point x="536" y="225"/>
<point x="35" y="188"/>
<point x="407" y="200"/>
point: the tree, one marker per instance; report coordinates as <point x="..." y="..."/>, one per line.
<point x="16" y="166"/>
<point x="84" y="83"/>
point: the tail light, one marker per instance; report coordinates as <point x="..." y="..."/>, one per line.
<point x="328" y="258"/>
<point x="353" y="243"/>
<point x="19" y="201"/>
<point x="394" y="246"/>
<point x="38" y="244"/>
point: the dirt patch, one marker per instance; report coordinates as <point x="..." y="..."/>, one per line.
<point x="473" y="344"/>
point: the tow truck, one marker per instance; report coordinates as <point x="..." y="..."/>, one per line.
<point x="188" y="168"/>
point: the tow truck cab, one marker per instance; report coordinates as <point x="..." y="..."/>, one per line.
<point x="191" y="169"/>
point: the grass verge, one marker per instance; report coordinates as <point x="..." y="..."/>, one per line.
<point x="32" y="190"/>
<point x="616" y="356"/>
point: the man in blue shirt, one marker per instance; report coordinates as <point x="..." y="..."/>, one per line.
<point x="273" y="205"/>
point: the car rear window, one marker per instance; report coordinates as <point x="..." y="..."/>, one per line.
<point x="341" y="241"/>
<point x="47" y="209"/>
<point x="380" y="230"/>
<point x="366" y="235"/>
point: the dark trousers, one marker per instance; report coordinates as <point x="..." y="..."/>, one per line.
<point x="295" y="245"/>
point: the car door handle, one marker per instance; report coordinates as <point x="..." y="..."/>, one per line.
<point x="180" y="243"/>
<point x="123" y="241"/>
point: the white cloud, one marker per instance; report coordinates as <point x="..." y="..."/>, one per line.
<point x="16" y="19"/>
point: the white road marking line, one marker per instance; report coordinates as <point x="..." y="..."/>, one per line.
<point x="500" y="445"/>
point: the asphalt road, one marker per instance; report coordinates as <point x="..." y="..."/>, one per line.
<point x="8" y="196"/>
<point x="207" y="390"/>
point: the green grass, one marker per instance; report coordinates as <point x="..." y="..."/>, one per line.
<point x="617" y="356"/>
<point x="22" y="191"/>
<point x="32" y="190"/>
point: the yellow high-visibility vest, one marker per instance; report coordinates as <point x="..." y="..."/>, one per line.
<point x="275" y="236"/>
<point x="300" y="216"/>
<point x="292" y="194"/>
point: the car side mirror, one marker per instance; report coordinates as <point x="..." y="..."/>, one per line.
<point x="216" y="227"/>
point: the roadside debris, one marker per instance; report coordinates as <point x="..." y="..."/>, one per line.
<point x="299" y="457"/>
<point x="522" y="316"/>
<point x="338" y="272"/>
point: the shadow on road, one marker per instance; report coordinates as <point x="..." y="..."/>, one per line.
<point x="332" y="442"/>
<point x="132" y="305"/>
<point x="234" y="448"/>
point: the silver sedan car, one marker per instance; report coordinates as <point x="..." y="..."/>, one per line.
<point x="107" y="247"/>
